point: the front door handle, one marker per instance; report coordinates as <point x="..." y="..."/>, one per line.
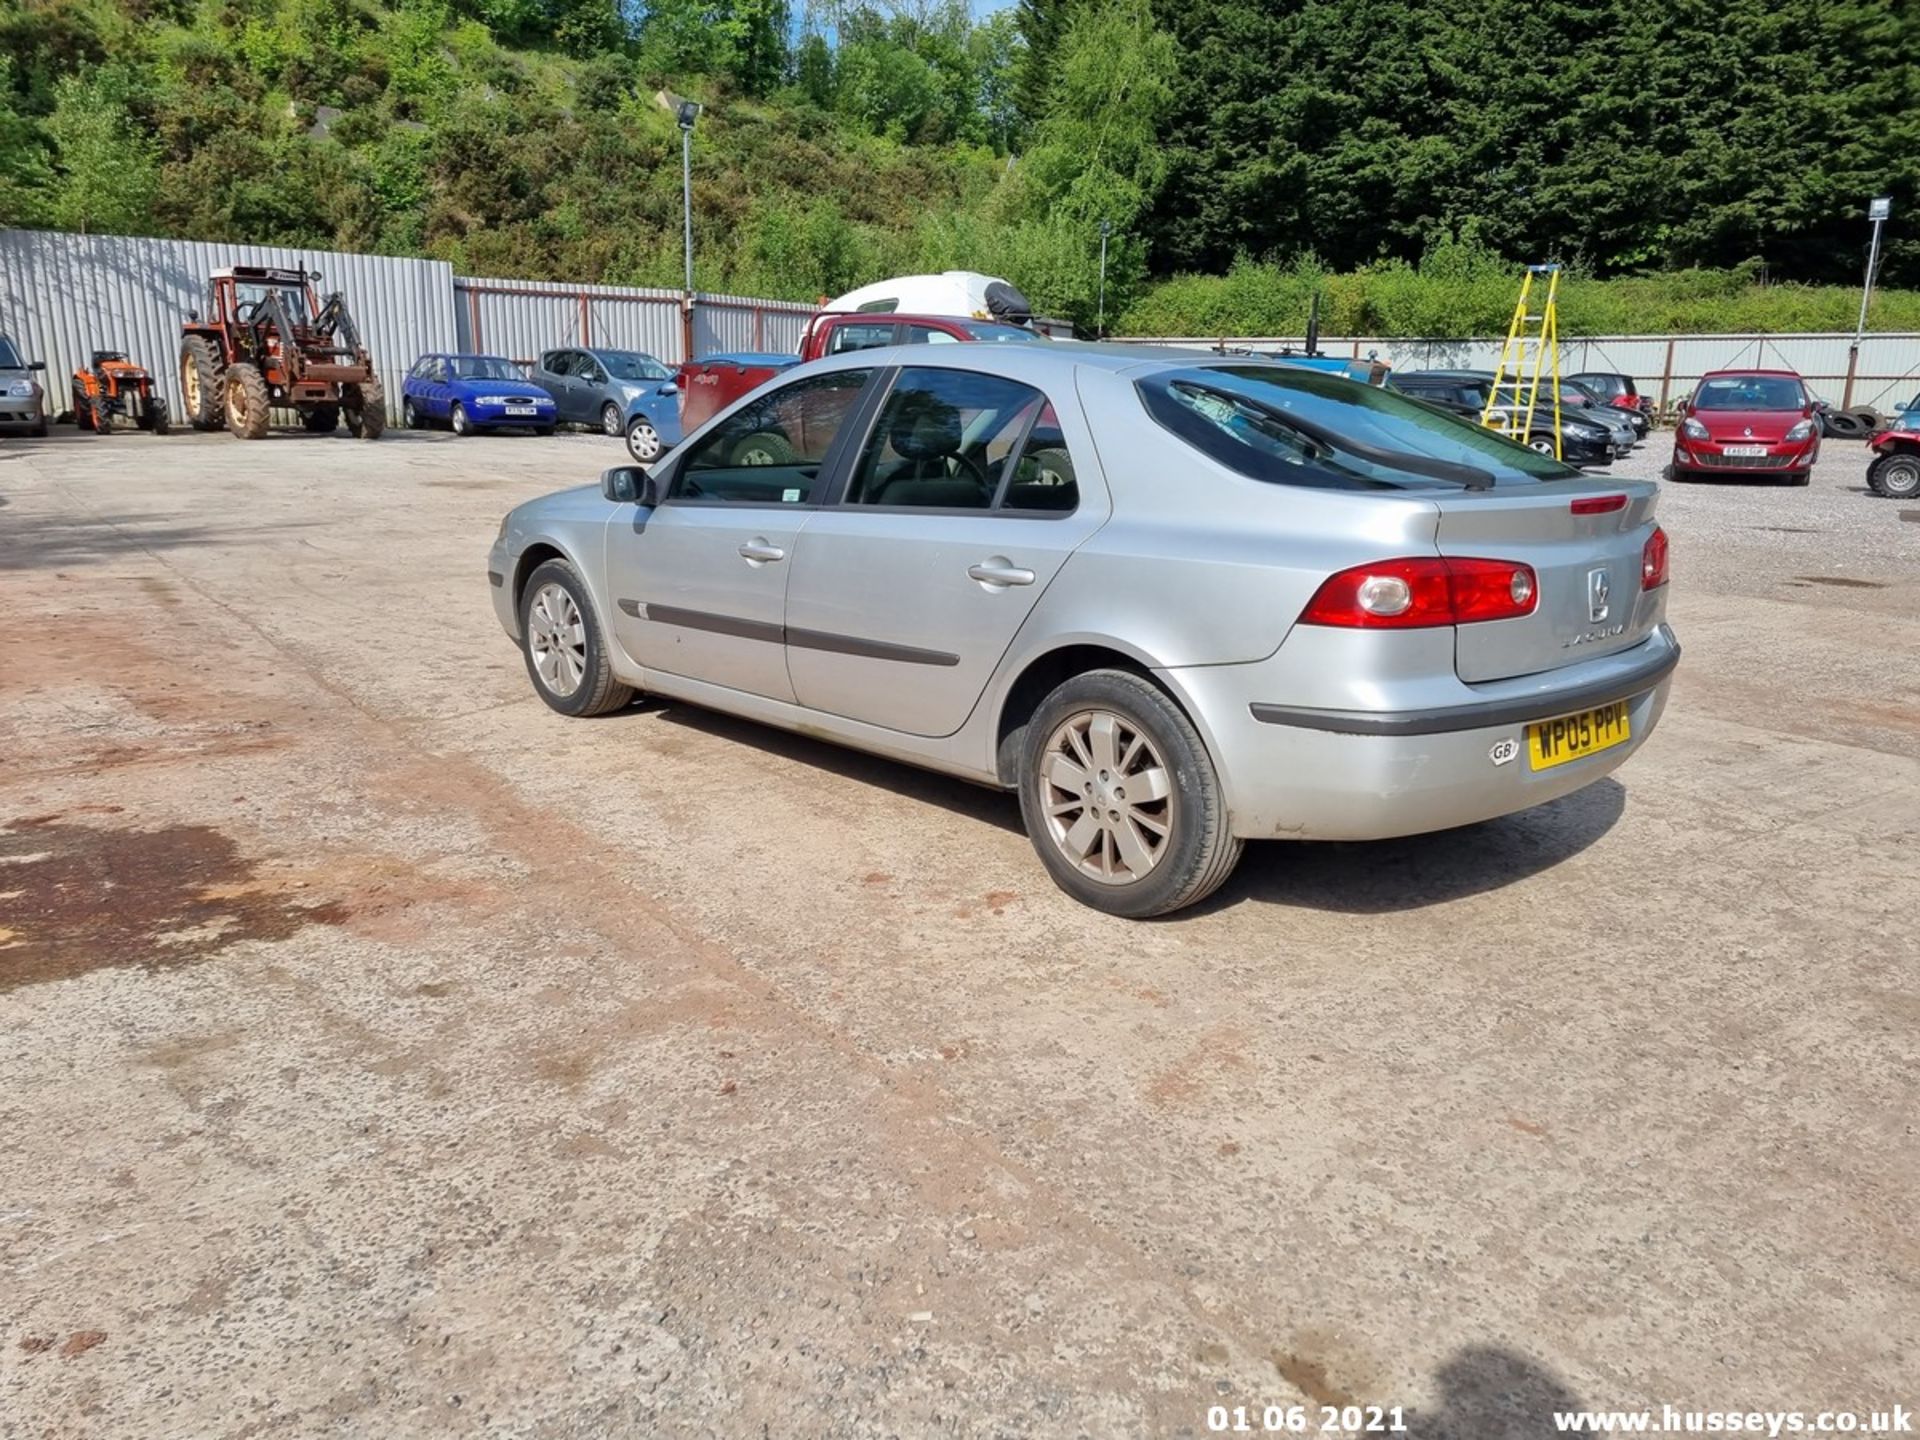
<point x="759" y="551"/>
<point x="999" y="571"/>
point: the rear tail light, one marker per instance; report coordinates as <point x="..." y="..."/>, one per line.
<point x="1653" y="561"/>
<point x="1599" y="504"/>
<point x="1415" y="593"/>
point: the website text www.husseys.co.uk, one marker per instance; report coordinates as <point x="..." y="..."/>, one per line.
<point x="1671" y="1420"/>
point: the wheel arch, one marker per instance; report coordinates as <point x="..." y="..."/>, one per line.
<point x="1041" y="674"/>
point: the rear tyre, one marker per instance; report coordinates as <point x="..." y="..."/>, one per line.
<point x="246" y="390"/>
<point x="410" y="416"/>
<point x="610" y="419"/>
<point x="1121" y="799"/>
<point x="365" y="406"/>
<point x="321" y="420"/>
<point x="201" y="383"/>
<point x="564" y="646"/>
<point x="1895" y="476"/>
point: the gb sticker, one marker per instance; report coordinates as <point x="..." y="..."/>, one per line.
<point x="1503" y="750"/>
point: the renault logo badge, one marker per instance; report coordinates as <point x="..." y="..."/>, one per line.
<point x="1599" y="592"/>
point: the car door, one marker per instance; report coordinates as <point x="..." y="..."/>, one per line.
<point x="699" y="581"/>
<point x="570" y="401"/>
<point x="591" y="376"/>
<point x="966" y="499"/>
<point x="439" y="389"/>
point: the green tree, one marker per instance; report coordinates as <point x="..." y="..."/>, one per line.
<point x="105" y="166"/>
<point x="25" y="175"/>
<point x="1039" y="24"/>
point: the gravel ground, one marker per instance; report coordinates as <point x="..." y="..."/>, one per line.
<point x="386" y="1056"/>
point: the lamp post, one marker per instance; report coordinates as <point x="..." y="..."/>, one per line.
<point x="1879" y="210"/>
<point x="686" y="113"/>
<point x="1100" y="327"/>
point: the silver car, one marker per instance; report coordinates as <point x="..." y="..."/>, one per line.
<point x="1176" y="602"/>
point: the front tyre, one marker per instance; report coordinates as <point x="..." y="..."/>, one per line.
<point x="564" y="646"/>
<point x="1896" y="476"/>
<point x="643" y="441"/>
<point x="365" y="408"/>
<point x="1121" y="799"/>
<point x="461" y="424"/>
<point x="610" y="419"/>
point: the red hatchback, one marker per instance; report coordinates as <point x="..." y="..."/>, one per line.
<point x="1747" y="422"/>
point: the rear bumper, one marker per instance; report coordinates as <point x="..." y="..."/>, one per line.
<point x="1312" y="774"/>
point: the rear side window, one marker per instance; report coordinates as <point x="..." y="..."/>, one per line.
<point x="927" y="335"/>
<point x="960" y="440"/>
<point x="557" y="362"/>
<point x="1238" y="415"/>
<point x="859" y="337"/>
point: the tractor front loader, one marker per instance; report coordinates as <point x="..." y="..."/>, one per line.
<point x="269" y="341"/>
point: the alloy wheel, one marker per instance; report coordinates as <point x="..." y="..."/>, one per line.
<point x="643" y="442"/>
<point x="1107" y="795"/>
<point x="610" y="419"/>
<point x="557" y="639"/>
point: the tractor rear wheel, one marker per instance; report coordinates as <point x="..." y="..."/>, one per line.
<point x="201" y="383"/>
<point x="246" y="402"/>
<point x="321" y="419"/>
<point x="366" y="408"/>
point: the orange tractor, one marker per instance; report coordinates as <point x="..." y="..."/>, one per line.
<point x="269" y="341"/>
<point x="111" y="387"/>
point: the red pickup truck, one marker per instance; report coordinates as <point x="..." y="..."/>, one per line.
<point x="708" y="386"/>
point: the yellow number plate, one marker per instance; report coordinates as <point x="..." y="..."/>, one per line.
<point x="1574" y="737"/>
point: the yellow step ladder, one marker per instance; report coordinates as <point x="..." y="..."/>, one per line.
<point x="1533" y="345"/>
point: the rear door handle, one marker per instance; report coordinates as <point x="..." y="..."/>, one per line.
<point x="999" y="571"/>
<point x="760" y="550"/>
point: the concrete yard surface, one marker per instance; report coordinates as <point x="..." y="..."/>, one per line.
<point x="385" y="1055"/>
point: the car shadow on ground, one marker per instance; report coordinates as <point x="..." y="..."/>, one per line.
<point x="1377" y="876"/>
<point x="1360" y="878"/>
<point x="975" y="802"/>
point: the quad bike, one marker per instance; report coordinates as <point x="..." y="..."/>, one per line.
<point x="112" y="386"/>
<point x="1895" y="470"/>
<point x="269" y="340"/>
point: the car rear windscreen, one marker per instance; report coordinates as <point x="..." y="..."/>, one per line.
<point x="1238" y="415"/>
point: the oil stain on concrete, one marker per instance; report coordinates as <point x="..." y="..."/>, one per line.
<point x="76" y="898"/>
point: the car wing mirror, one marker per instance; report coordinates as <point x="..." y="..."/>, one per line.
<point x="629" y="485"/>
<point x="36" y="365"/>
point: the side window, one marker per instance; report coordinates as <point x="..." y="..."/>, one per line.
<point x="419" y="371"/>
<point x="557" y="362"/>
<point x="879" y="307"/>
<point x="588" y="368"/>
<point x="927" y="335"/>
<point x="859" y="337"/>
<point x="945" y="440"/>
<point x="770" y="452"/>
<point x="1043" y="477"/>
<point x="437" y="372"/>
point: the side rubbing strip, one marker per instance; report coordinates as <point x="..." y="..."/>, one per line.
<point x="868" y="649"/>
<point x="778" y="634"/>
<point x="718" y="624"/>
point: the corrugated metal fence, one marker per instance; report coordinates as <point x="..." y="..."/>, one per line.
<point x="522" y="318"/>
<point x="64" y="296"/>
<point x="1663" y="367"/>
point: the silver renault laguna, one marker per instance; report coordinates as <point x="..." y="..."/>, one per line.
<point x="1177" y="602"/>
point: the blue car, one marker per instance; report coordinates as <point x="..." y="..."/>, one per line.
<point x="617" y="392"/>
<point x="473" y="393"/>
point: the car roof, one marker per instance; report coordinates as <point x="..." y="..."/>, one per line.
<point x="1037" y="362"/>
<point x="1751" y="370"/>
<point x="887" y="316"/>
<point x="463" y="355"/>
